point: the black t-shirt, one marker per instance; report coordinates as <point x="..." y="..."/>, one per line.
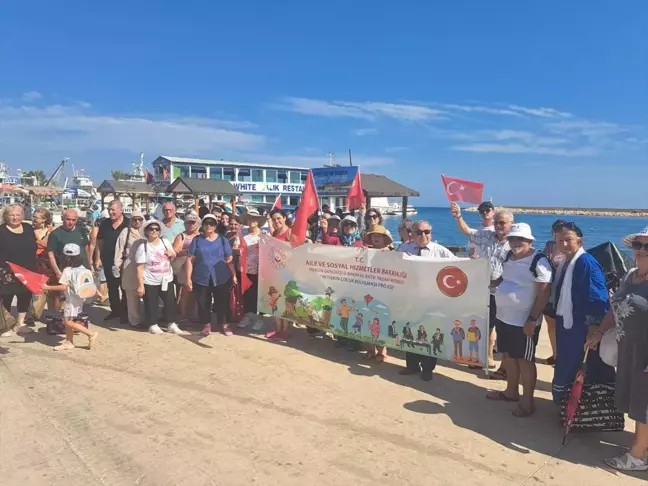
<point x="203" y="211"/>
<point x="108" y="234"/>
<point x="18" y="248"/>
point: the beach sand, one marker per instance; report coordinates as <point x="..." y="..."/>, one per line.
<point x="166" y="410"/>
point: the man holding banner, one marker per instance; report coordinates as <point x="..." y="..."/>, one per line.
<point x="423" y="246"/>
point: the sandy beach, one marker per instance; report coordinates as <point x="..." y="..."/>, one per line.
<point x="167" y="410"/>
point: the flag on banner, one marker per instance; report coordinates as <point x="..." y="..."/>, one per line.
<point x="277" y="203"/>
<point x="149" y="177"/>
<point x="356" y="196"/>
<point x="308" y="205"/>
<point x="32" y="280"/>
<point x="165" y="174"/>
<point x="461" y="190"/>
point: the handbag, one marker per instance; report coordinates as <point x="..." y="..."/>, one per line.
<point x="597" y="410"/>
<point x="609" y="348"/>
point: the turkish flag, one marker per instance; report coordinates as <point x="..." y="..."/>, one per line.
<point x="462" y="190"/>
<point x="277" y="203"/>
<point x="356" y="196"/>
<point x="149" y="177"/>
<point x="32" y="280"/>
<point x="309" y="204"/>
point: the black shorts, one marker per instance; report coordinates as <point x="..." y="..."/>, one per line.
<point x="512" y="341"/>
<point x="492" y="313"/>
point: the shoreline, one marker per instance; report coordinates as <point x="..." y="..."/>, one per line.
<point x="609" y="212"/>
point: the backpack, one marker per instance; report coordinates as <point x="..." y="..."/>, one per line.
<point x="533" y="268"/>
<point x="82" y="283"/>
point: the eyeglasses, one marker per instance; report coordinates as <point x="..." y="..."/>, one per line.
<point x="423" y="232"/>
<point x="638" y="245"/>
<point x="372" y="216"/>
<point x="153" y="230"/>
<point x="190" y="222"/>
<point x="135" y="220"/>
<point x="502" y="223"/>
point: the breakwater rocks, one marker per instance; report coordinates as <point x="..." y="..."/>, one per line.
<point x="614" y="213"/>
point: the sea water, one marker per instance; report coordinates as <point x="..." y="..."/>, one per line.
<point x="596" y="229"/>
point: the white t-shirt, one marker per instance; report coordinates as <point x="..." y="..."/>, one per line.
<point x="252" y="242"/>
<point x="157" y="266"/>
<point x="432" y="250"/>
<point x="517" y="293"/>
<point x="71" y="299"/>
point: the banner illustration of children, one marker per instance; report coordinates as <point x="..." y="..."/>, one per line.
<point x="458" y="336"/>
<point x="344" y="311"/>
<point x="474" y="336"/>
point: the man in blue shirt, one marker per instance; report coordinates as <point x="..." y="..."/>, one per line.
<point x="173" y="225"/>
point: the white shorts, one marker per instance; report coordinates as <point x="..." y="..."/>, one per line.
<point x="72" y="308"/>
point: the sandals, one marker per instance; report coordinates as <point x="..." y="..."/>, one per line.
<point x="627" y="462"/>
<point x="501" y="397"/>
<point x="65" y="346"/>
<point x="521" y="412"/>
<point x="92" y="339"/>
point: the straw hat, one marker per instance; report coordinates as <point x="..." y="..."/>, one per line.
<point x="253" y="215"/>
<point x="379" y="230"/>
<point x="627" y="241"/>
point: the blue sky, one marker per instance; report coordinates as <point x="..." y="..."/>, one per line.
<point x="545" y="102"/>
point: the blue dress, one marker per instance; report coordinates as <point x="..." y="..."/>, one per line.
<point x="591" y="302"/>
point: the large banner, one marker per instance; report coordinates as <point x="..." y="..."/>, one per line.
<point x="432" y="307"/>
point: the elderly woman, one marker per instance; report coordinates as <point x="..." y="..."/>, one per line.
<point x="210" y="274"/>
<point x="582" y="300"/>
<point x="42" y="223"/>
<point x="186" y="299"/>
<point x="17" y="245"/>
<point x="630" y="316"/>
<point x="126" y="247"/>
<point x="154" y="278"/>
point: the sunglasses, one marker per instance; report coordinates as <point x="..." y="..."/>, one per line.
<point x="135" y="220"/>
<point x="190" y="222"/>
<point x="153" y="230"/>
<point x="571" y="226"/>
<point x="638" y="245"/>
<point x="423" y="232"/>
<point x="502" y="223"/>
<point x="372" y="216"/>
<point x="209" y="223"/>
<point x="485" y="211"/>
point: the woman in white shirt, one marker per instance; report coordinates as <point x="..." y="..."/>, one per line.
<point x="154" y="274"/>
<point x="253" y="219"/>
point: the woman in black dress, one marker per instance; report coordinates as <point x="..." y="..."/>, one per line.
<point x="17" y="245"/>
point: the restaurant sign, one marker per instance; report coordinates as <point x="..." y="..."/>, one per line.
<point x="273" y="187"/>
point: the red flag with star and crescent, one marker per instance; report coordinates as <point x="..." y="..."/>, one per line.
<point x="31" y="280"/>
<point x="462" y="190"/>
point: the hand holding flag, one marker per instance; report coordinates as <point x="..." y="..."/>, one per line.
<point x="463" y="190"/>
<point x="32" y="280"/>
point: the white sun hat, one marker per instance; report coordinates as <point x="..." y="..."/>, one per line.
<point x="521" y="230"/>
<point x="72" y="249"/>
<point x="627" y="241"/>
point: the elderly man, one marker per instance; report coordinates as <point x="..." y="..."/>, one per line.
<point x="492" y="245"/>
<point x="523" y="290"/>
<point x="69" y="232"/>
<point x="172" y="225"/>
<point x="109" y="231"/>
<point x="422" y="245"/>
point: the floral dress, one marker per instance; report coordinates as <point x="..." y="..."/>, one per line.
<point x="630" y="307"/>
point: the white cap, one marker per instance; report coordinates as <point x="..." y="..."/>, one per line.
<point x="209" y="216"/>
<point x="72" y="249"/>
<point x="350" y="219"/>
<point x="521" y="230"/>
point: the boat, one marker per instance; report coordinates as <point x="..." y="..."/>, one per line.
<point x="389" y="208"/>
<point x="397" y="210"/>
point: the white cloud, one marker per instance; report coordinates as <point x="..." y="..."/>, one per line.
<point x="31" y="96"/>
<point x="478" y="109"/>
<point x="586" y="128"/>
<point x="367" y="110"/>
<point x="541" y="112"/>
<point x="75" y="129"/>
<point x="526" y="149"/>
<point x="362" y="132"/>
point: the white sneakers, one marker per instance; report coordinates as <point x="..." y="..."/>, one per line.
<point x="172" y="328"/>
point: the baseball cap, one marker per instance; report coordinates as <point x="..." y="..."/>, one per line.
<point x="485" y="207"/>
<point x="72" y="249"/>
<point x="348" y="219"/>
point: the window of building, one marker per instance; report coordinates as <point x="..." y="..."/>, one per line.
<point x="282" y="176"/>
<point x="271" y="175"/>
<point x="257" y="176"/>
<point x="216" y="173"/>
<point x="184" y="170"/>
<point x="285" y="200"/>
<point x="258" y="198"/>
<point x="244" y="175"/>
<point x="198" y="172"/>
<point x="294" y="201"/>
<point x="228" y="174"/>
<point x="295" y="177"/>
<point x="304" y="175"/>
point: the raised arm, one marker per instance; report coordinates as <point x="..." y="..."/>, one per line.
<point x="455" y="210"/>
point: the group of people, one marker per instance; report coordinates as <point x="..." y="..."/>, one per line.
<point x="209" y="263"/>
